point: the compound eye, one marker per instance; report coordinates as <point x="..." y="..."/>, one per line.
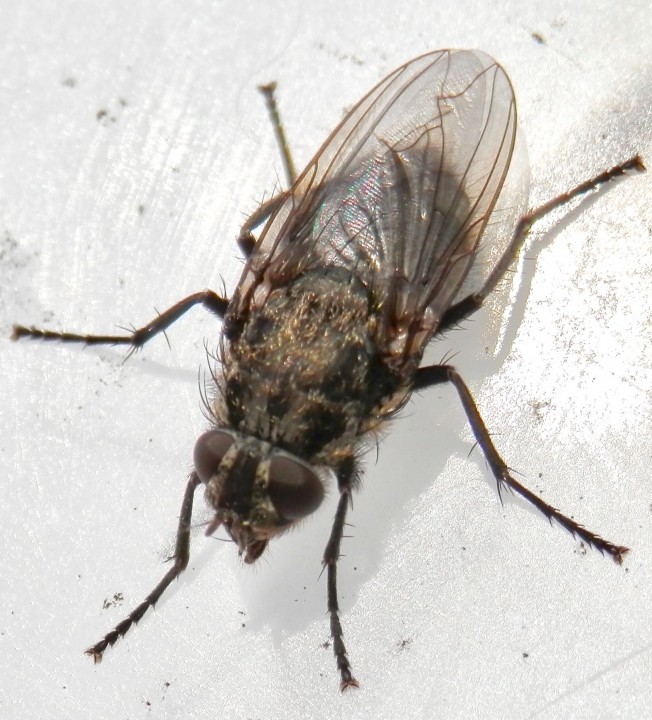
<point x="295" y="490"/>
<point x="210" y="449"/>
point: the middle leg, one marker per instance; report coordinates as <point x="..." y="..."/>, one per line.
<point x="438" y="374"/>
<point x="138" y="337"/>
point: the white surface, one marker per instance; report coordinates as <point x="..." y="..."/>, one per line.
<point x="452" y="606"/>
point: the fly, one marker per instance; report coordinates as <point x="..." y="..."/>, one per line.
<point x="359" y="265"/>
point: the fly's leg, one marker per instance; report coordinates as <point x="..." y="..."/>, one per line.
<point x="136" y="339"/>
<point x="470" y="304"/>
<point x="210" y="300"/>
<point x="345" y="480"/>
<point x="438" y="374"/>
<point x="180" y="557"/>
<point x="268" y="92"/>
<point x="246" y="239"/>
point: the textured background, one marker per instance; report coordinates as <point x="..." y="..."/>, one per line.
<point x="132" y="144"/>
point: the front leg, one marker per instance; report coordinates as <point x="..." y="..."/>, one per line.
<point x="345" y="481"/>
<point x="180" y="558"/>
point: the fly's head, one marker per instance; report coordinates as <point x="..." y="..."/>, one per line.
<point x="256" y="489"/>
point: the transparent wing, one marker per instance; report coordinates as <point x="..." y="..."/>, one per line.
<point x="398" y="196"/>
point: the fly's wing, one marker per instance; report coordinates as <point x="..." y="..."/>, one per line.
<point x="398" y="196"/>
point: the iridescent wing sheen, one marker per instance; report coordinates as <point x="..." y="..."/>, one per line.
<point x="398" y="196"/>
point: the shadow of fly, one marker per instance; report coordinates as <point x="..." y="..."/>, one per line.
<point x="359" y="265"/>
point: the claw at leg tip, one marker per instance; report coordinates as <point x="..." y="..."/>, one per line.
<point x="349" y="683"/>
<point x="97" y="656"/>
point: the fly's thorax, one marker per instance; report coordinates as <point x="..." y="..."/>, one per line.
<point x="302" y="370"/>
<point x="256" y="490"/>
